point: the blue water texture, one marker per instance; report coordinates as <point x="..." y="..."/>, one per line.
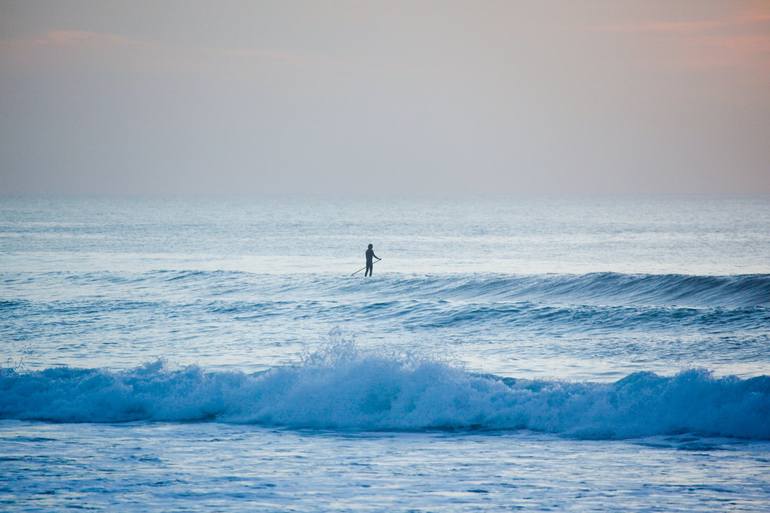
<point x="342" y="389"/>
<point x="583" y="354"/>
<point x="345" y="388"/>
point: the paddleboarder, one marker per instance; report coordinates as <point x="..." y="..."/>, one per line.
<point x="369" y="262"/>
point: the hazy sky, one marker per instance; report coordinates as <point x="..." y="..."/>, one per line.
<point x="394" y="97"/>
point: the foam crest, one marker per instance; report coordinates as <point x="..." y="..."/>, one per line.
<point x="343" y="388"/>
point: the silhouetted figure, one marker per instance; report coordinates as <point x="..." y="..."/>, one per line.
<point x="369" y="262"/>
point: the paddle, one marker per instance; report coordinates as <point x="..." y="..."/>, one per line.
<point x="364" y="267"/>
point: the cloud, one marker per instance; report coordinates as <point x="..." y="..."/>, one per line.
<point x="681" y="27"/>
<point x="73" y="39"/>
<point x="734" y="50"/>
<point x="87" y="41"/>
<point x="744" y="19"/>
<point x="738" y="39"/>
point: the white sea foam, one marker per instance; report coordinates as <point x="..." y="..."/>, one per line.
<point x="343" y="388"/>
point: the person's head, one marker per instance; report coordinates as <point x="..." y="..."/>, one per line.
<point x="370" y="246"/>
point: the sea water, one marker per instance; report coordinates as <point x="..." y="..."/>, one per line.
<point x="217" y="354"/>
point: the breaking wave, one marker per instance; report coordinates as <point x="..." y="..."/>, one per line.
<point x="342" y="388"/>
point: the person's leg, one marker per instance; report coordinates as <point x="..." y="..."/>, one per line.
<point x="368" y="271"/>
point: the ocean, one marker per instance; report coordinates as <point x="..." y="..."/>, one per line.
<point x="509" y="353"/>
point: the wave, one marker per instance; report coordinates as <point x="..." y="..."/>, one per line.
<point x="422" y="314"/>
<point x="592" y="289"/>
<point x="342" y="388"/>
<point x="588" y="319"/>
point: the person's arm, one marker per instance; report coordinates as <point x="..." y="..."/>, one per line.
<point x="375" y="256"/>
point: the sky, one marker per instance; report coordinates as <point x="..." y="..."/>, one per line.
<point x="390" y="97"/>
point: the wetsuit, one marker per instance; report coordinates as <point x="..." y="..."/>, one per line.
<point x="369" y="263"/>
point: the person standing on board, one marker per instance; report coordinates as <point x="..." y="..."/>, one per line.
<point x="369" y="262"/>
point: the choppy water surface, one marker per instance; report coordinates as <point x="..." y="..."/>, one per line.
<point x="543" y="354"/>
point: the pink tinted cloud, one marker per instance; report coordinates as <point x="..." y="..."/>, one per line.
<point x="739" y="39"/>
<point x="741" y="20"/>
<point x="684" y="27"/>
<point x="87" y="40"/>
<point x="738" y="50"/>
<point x="72" y="39"/>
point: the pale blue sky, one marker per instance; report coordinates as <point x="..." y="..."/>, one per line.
<point x="392" y="97"/>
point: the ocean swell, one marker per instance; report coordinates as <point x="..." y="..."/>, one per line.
<point x="342" y="388"/>
<point x="602" y="288"/>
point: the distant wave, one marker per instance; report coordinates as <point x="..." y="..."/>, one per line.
<point x="424" y="313"/>
<point x="344" y="389"/>
<point x="587" y="318"/>
<point x="594" y="288"/>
